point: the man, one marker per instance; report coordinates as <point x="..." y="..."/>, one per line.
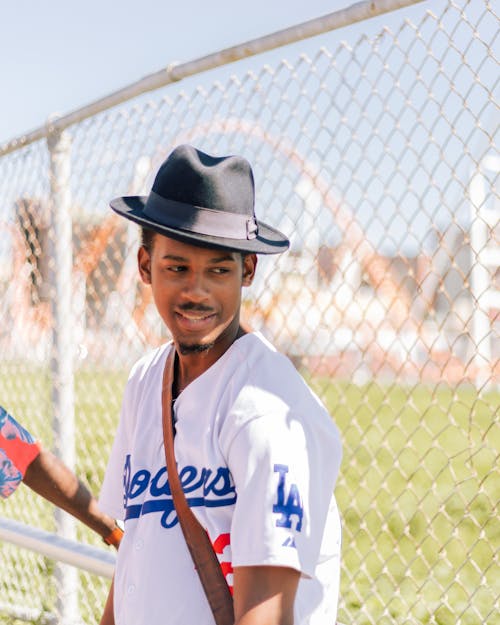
<point x="24" y="459"/>
<point x="257" y="453"/>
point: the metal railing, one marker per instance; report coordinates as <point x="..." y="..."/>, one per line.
<point x="50" y="545"/>
<point x="377" y="155"/>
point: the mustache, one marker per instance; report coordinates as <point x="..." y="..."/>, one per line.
<point x="192" y="307"/>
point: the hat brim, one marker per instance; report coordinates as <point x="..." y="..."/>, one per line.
<point x="268" y="239"/>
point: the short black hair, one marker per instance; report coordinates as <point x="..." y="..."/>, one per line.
<point x="147" y="237"/>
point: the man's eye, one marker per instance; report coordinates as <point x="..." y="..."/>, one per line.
<point x="220" y="270"/>
<point x="176" y="268"/>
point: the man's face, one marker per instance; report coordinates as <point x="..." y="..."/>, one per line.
<point x="197" y="291"/>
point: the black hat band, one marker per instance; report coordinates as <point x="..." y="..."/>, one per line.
<point x="200" y="220"/>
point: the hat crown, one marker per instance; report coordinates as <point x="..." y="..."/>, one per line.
<point x="204" y="200"/>
<point x="219" y="183"/>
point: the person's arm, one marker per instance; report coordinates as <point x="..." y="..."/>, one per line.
<point x="108" y="617"/>
<point x="264" y="595"/>
<point x="49" y="477"/>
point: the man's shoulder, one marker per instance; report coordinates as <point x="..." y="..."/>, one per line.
<point x="267" y="390"/>
<point x="266" y="371"/>
<point x="256" y="348"/>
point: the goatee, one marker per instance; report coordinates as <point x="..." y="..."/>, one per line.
<point x="195" y="348"/>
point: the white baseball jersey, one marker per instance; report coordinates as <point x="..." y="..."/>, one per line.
<point x="258" y="457"/>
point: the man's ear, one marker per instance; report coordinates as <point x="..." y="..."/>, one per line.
<point x="144" y="264"/>
<point x="249" y="267"/>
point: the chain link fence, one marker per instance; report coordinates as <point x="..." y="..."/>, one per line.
<point x="377" y="155"/>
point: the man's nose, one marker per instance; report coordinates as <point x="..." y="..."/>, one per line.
<point x="195" y="287"/>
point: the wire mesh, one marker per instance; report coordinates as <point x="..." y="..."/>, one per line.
<point x="378" y="157"/>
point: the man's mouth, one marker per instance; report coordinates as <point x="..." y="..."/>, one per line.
<point x="194" y="319"/>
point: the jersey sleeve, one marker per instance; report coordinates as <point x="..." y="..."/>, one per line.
<point x="111" y="497"/>
<point x="284" y="470"/>
<point x="18" y="449"/>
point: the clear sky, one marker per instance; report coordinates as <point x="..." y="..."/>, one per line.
<point x="59" y="55"/>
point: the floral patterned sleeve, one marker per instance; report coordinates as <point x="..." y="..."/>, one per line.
<point x="18" y="449"/>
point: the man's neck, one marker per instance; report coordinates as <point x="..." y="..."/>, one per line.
<point x="190" y="366"/>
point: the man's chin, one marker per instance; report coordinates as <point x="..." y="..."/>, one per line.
<point x="195" y="348"/>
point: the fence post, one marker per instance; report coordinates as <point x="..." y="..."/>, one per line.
<point x="483" y="258"/>
<point x="62" y="352"/>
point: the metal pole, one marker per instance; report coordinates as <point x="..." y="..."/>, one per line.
<point x="62" y="354"/>
<point x="480" y="280"/>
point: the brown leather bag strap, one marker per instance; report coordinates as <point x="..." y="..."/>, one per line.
<point x="199" y="545"/>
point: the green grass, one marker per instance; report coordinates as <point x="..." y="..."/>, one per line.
<point x="418" y="494"/>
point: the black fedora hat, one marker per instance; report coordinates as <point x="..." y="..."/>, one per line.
<point x="204" y="200"/>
